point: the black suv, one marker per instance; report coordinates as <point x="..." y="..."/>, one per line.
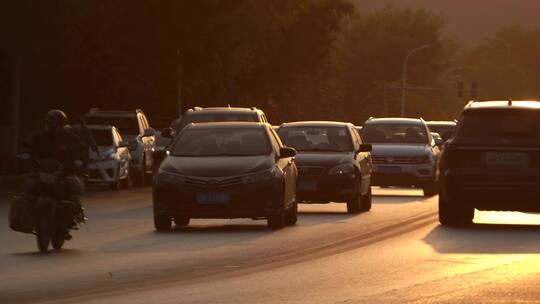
<point x="492" y="161"/>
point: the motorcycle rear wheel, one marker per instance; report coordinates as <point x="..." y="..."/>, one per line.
<point x="43" y="237"/>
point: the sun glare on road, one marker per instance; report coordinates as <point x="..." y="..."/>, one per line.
<point x="506" y="218"/>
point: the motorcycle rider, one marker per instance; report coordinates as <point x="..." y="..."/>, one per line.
<point x="58" y="141"/>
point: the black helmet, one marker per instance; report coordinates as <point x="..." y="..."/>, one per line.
<point x="55" y="119"/>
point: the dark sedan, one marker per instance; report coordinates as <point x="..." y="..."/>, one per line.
<point x="226" y="170"/>
<point x="333" y="163"/>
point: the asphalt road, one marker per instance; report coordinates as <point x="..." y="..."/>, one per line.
<point x="394" y="254"/>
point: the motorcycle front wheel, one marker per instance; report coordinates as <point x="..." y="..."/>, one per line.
<point x="43" y="236"/>
<point x="58" y="238"/>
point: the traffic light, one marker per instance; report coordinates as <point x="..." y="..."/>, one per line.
<point x="473" y="90"/>
<point x="459" y="87"/>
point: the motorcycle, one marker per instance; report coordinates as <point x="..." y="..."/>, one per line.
<point x="49" y="217"/>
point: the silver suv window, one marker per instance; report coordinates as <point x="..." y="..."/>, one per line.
<point x="395" y="133"/>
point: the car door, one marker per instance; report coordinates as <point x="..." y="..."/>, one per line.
<point x="436" y="152"/>
<point x="148" y="141"/>
<point x="364" y="161"/>
<point x="288" y="166"/>
<point x="122" y="152"/>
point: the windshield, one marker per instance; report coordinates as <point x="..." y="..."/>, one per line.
<point x="444" y="130"/>
<point x="317" y="138"/>
<point x="222" y="142"/>
<point x="514" y="126"/>
<point x="126" y="125"/>
<point x="102" y="137"/>
<point x="394" y="133"/>
<point x="214" y="117"/>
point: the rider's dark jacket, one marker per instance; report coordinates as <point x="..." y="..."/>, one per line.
<point x="63" y="145"/>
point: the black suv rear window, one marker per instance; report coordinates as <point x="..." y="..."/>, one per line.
<point x="504" y="126"/>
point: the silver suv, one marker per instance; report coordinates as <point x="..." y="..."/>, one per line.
<point x="136" y="130"/>
<point x="404" y="153"/>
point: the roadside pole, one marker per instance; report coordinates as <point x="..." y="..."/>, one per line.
<point x="179" y="83"/>
<point x="16" y="103"/>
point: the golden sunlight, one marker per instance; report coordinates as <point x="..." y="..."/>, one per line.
<point x="506" y="218"/>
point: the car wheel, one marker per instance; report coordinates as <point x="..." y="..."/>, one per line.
<point x="276" y="220"/>
<point x="148" y="175"/>
<point x="453" y="214"/>
<point x="366" y="201"/>
<point x="162" y="222"/>
<point x="430" y="189"/>
<point x="126" y="182"/>
<point x="292" y="214"/>
<point x="354" y="205"/>
<point x="181" y="221"/>
<point x="138" y="176"/>
<point x="117" y="183"/>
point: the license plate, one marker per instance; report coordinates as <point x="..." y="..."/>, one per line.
<point x="514" y="159"/>
<point x="307" y="186"/>
<point x="389" y="169"/>
<point x="213" y="198"/>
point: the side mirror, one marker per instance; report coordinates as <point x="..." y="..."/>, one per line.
<point x="149" y="132"/>
<point x="158" y="155"/>
<point x="167" y="133"/>
<point x="122" y="144"/>
<point x="286" y="152"/>
<point x="365" y="148"/>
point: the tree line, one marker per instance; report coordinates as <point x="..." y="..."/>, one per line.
<point x="295" y="59"/>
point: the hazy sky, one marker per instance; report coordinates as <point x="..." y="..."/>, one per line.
<point x="471" y="20"/>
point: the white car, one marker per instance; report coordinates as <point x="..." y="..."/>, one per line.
<point x="111" y="163"/>
<point x="137" y="133"/>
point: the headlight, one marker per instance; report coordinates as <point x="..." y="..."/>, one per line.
<point x="263" y="176"/>
<point x="108" y="156"/>
<point x="164" y="177"/>
<point x="343" y="169"/>
<point x="424" y="159"/>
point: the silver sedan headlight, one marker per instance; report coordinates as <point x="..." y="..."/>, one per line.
<point x="108" y="156"/>
<point x="424" y="159"/>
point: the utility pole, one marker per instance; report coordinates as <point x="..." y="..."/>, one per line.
<point x="404" y="76"/>
<point x="385" y="98"/>
<point x="179" y="83"/>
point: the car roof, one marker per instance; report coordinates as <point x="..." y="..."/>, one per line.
<point x="219" y="125"/>
<point x="199" y="110"/>
<point x="112" y="113"/>
<point x="95" y="127"/>
<point x="503" y="104"/>
<point x="315" y="124"/>
<point x="440" y="123"/>
<point x="395" y="120"/>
